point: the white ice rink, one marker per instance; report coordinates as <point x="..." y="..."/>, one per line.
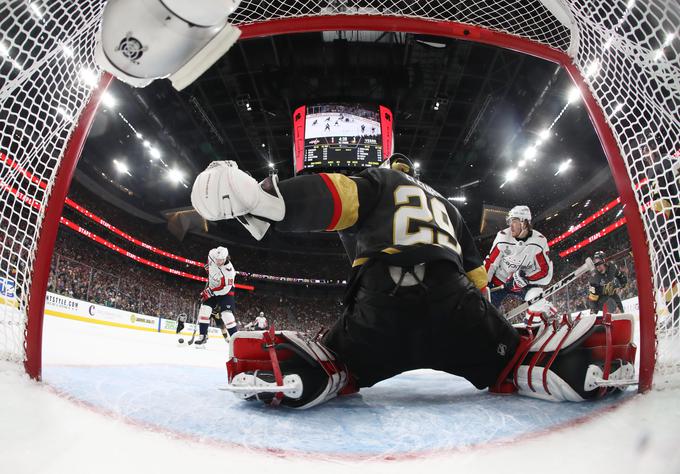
<point x="122" y="401"/>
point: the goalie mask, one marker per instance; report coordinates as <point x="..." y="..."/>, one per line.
<point x="401" y="163"/>
<point x="219" y="255"/>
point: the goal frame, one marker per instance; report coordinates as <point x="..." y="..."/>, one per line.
<point x="442" y="28"/>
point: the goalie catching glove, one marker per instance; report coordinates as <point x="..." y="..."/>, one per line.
<point x="285" y="368"/>
<point x="572" y="360"/>
<point x="223" y="191"/>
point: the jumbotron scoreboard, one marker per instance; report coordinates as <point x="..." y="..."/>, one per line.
<point x="330" y="137"/>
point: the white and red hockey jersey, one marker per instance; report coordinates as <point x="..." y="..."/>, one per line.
<point x="261" y="322"/>
<point x="509" y="255"/>
<point x="220" y="278"/>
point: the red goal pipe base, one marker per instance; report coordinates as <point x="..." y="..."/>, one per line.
<point x="48" y="232"/>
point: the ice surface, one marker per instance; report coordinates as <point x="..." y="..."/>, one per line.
<point x="117" y="400"/>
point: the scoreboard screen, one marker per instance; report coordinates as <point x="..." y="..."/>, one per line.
<point x="341" y="136"/>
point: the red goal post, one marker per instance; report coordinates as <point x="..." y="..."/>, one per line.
<point x="619" y="53"/>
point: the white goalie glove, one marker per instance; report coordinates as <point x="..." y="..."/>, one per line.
<point x="223" y="191"/>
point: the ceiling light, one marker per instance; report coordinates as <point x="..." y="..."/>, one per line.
<point x="592" y="69"/>
<point x="263" y="145"/>
<point x="175" y="175"/>
<point x="68" y="52"/>
<point x="64" y="113"/>
<point x="139" y="135"/>
<point x="271" y="165"/>
<point x="36" y="10"/>
<point x="573" y="95"/>
<point x="544" y="134"/>
<point x="618" y="108"/>
<point x="416" y="165"/>
<point x="630" y="5"/>
<point x="155" y="153"/>
<point x="121" y="167"/>
<point x="669" y="39"/>
<point x="89" y="77"/>
<point x="108" y="99"/>
<point x="146" y="143"/>
<point x="4" y="50"/>
<point x="521" y="163"/>
<point x="563" y="166"/>
<point x="511" y="174"/>
<point x="530" y="153"/>
<point x="658" y="54"/>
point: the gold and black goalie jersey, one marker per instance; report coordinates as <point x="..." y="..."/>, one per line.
<point x="382" y="214"/>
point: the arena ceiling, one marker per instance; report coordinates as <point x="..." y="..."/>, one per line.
<point x="493" y="105"/>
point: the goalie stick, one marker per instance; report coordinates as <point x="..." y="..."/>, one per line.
<point x="588" y="266"/>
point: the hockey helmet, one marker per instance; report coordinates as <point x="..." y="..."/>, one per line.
<point x="598" y="258"/>
<point x="401" y="163"/>
<point x="219" y="255"/>
<point x="519" y="212"/>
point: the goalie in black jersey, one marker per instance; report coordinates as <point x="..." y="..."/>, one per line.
<point x="415" y="299"/>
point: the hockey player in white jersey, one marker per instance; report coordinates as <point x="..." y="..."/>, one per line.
<point x="518" y="262"/>
<point x="260" y="322"/>
<point x="218" y="296"/>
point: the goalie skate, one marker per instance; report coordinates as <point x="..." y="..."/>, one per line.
<point x="284" y="368"/>
<point x="261" y="385"/>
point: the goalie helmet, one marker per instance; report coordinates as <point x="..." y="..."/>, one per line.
<point x="519" y="212"/>
<point x="139" y="41"/>
<point x="598" y="258"/>
<point x="219" y="255"/>
<point x="401" y="163"/>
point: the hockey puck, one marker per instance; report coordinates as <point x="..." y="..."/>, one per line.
<point x="180" y="340"/>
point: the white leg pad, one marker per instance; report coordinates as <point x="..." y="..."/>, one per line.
<point x="228" y="318"/>
<point x="204" y="313"/>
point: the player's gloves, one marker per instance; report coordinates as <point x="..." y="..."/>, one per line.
<point x="207" y="294"/>
<point x="609" y="288"/>
<point x="620" y="280"/>
<point x="223" y="191"/>
<point x="516" y="282"/>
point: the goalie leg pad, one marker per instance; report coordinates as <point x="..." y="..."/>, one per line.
<point x="308" y="374"/>
<point x="578" y="360"/>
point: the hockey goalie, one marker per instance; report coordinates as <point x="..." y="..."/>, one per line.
<point x="417" y="297"/>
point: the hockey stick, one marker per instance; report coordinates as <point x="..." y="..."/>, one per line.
<point x="193" y="335"/>
<point x="586" y="267"/>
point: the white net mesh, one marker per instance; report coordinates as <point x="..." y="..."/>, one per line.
<point x="622" y="49"/>
<point x="44" y="48"/>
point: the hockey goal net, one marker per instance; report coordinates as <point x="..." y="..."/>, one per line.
<point x="621" y="54"/>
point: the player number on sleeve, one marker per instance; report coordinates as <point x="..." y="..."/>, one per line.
<point x="424" y="211"/>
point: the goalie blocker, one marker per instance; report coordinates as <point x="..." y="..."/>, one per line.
<point x="569" y="360"/>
